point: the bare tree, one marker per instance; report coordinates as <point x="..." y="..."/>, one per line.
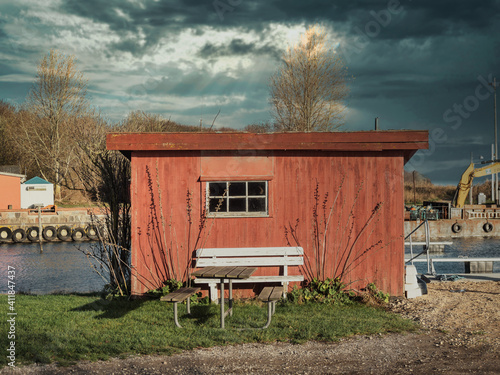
<point x="53" y="107"/>
<point x="308" y="90"/>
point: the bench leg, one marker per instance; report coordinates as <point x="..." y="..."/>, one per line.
<point x="285" y="288"/>
<point x="213" y="292"/>
<point x="188" y="305"/>
<point x="175" y="316"/>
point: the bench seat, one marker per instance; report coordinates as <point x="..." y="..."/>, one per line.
<point x="256" y="279"/>
<point x="271" y="293"/>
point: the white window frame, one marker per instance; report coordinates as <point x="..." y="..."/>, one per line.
<point x="247" y="196"/>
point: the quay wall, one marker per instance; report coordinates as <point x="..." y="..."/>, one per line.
<point x="443" y="229"/>
<point x="61" y="225"/>
<point x="23" y="218"/>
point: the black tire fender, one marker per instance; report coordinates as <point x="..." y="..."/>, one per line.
<point x="456" y="228"/>
<point x="33" y="234"/>
<point x="49" y="233"/>
<point x="64" y="233"/>
<point x="18" y="235"/>
<point x="488" y="227"/>
<point x="92" y="232"/>
<point x="78" y="234"/>
<point x="5" y="234"/>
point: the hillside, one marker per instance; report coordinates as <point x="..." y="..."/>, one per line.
<point x="425" y="190"/>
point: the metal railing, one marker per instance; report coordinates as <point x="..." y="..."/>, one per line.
<point x="483" y="214"/>
<point x="426" y="245"/>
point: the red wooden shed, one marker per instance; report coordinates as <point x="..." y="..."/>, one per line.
<point x="339" y="195"/>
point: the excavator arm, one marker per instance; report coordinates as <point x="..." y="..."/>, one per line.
<point x="465" y="182"/>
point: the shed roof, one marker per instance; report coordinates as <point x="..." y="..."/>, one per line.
<point x="408" y="141"/>
<point x="37" y="181"/>
<point x="21" y="176"/>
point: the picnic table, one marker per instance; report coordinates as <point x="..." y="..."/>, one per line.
<point x="225" y="273"/>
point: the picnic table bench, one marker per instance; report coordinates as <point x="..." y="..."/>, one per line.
<point x="270" y="294"/>
<point x="282" y="257"/>
<point x="180" y="295"/>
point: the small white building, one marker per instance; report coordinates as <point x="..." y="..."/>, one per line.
<point x="37" y="192"/>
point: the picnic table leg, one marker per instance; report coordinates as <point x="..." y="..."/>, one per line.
<point x="222" y="303"/>
<point x="269" y="314"/>
<point x="230" y="297"/>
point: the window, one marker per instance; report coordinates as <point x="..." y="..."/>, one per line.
<point x="237" y="198"/>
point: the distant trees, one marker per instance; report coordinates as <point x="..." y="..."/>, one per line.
<point x="52" y="111"/>
<point x="140" y="121"/>
<point x="8" y="151"/>
<point x="263" y="127"/>
<point x="308" y="89"/>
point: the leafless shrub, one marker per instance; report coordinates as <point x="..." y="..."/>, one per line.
<point x="337" y="239"/>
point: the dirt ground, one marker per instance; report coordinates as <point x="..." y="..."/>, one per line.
<point x="460" y="334"/>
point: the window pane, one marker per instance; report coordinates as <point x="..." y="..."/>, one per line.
<point x="257" y="205"/>
<point x="216" y="188"/>
<point x="214" y="203"/>
<point x="257" y="188"/>
<point x="237" y="188"/>
<point x="237" y="205"/>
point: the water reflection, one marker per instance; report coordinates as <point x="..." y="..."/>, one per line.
<point x="60" y="268"/>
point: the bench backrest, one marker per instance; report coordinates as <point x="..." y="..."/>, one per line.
<point x="250" y="256"/>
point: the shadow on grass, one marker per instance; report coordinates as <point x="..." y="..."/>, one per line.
<point x="112" y="308"/>
<point x="201" y="313"/>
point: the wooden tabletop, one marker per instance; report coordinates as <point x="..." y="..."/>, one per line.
<point x="230" y="272"/>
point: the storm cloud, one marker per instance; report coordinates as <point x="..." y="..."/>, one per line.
<point x="413" y="64"/>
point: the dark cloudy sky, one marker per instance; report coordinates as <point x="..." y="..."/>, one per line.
<point x="416" y="64"/>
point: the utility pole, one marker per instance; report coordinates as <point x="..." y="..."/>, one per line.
<point x="414" y="190"/>
<point x="471" y="186"/>
<point x="493" y="175"/>
<point x="494" y="84"/>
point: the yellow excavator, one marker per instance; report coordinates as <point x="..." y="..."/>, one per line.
<point x="466" y="181"/>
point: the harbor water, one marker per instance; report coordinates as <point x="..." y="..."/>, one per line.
<point x="475" y="247"/>
<point x="61" y="268"/>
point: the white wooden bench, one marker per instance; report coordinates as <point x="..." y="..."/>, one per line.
<point x="282" y="257"/>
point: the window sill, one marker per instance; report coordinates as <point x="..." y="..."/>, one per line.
<point x="236" y="215"/>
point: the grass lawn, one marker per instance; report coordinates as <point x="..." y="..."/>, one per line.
<point x="68" y="328"/>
